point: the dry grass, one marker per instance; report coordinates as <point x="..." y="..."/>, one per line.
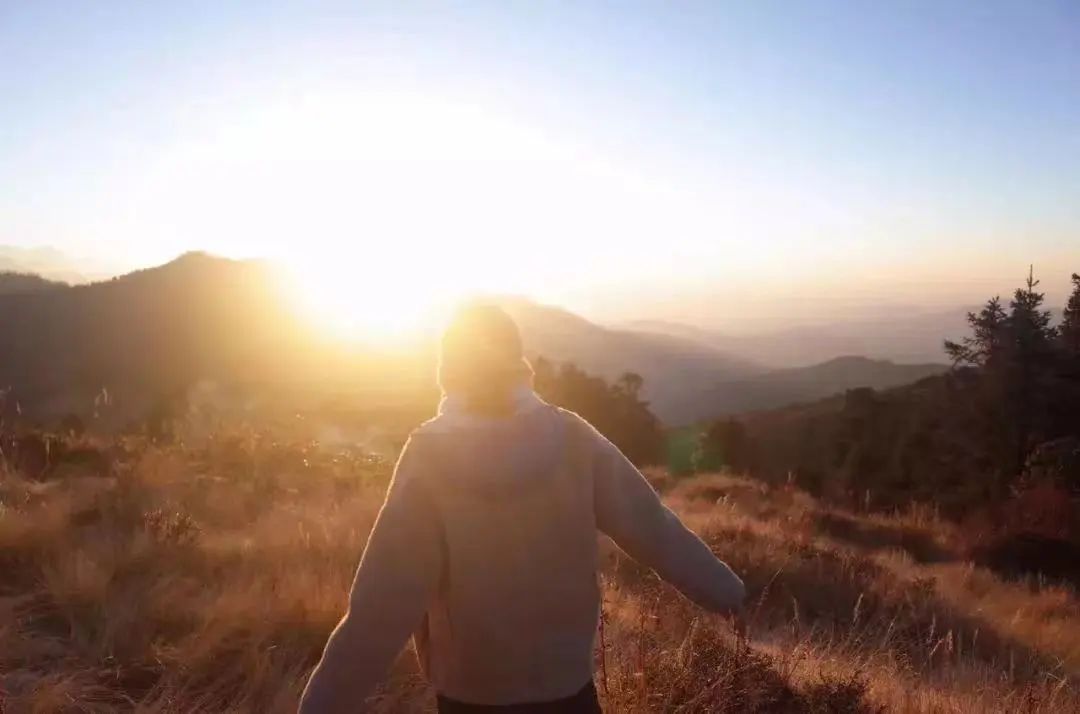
<point x="207" y="577"/>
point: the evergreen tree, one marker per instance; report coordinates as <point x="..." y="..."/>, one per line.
<point x="630" y="383"/>
<point x="1008" y="393"/>
<point x="726" y="443"/>
<point x="984" y="346"/>
<point x="1009" y="412"/>
<point x="1031" y="333"/>
<point x="1070" y="323"/>
<point x="616" y="410"/>
<point x="1031" y="358"/>
<point x="1065" y="394"/>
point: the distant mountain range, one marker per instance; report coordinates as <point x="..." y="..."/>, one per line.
<point x="150" y="335"/>
<point x="784" y="387"/>
<point x="676" y="370"/>
<point x="46" y="262"/>
<point x="687" y="378"/>
<point x="914" y="336"/>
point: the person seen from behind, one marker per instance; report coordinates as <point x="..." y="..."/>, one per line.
<point x="485" y="550"/>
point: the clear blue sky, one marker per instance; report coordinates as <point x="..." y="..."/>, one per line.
<point x="699" y="141"/>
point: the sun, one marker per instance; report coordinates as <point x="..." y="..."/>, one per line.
<point x="357" y="303"/>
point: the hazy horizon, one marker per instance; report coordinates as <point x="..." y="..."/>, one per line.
<point x="721" y="165"/>
<point x="685" y="306"/>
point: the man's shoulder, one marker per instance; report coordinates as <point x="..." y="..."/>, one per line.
<point x="438" y="424"/>
<point x="444" y="427"/>
<point x="577" y="422"/>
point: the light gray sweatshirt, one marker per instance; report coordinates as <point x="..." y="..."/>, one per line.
<point x="486" y="552"/>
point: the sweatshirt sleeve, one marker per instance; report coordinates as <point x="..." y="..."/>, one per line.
<point x="631" y="513"/>
<point x="397" y="576"/>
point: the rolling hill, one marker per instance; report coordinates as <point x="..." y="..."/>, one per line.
<point x="145" y="336"/>
<point x="783" y="387"/>
<point x="15" y="282"/>
<point x="153" y="334"/>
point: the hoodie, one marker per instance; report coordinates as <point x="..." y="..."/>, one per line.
<point x="486" y="552"/>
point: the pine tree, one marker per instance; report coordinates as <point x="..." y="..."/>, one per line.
<point x="1031" y="357"/>
<point x="1070" y="323"/>
<point x="984" y="347"/>
<point x="726" y="442"/>
<point x="1031" y="334"/>
<point x="1013" y="357"/>
<point x="1066" y="392"/>
<point x="630" y="383"/>
<point x="616" y="410"/>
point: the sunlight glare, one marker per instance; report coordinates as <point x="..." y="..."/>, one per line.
<point x="354" y="303"/>
<point x="387" y="206"/>
<point x="433" y="188"/>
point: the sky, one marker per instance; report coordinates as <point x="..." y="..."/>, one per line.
<point x="717" y="163"/>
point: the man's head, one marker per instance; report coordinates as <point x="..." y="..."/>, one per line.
<point x="481" y="357"/>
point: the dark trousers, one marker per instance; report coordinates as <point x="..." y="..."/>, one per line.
<point x="584" y="702"/>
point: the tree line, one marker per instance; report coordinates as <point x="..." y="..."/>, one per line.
<point x="1007" y="415"/>
<point x="616" y="409"/>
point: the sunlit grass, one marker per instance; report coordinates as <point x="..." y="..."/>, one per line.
<point x="206" y="577"/>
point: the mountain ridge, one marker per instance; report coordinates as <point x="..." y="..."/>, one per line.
<point x="155" y="332"/>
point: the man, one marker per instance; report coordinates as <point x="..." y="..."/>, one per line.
<point x="486" y="547"/>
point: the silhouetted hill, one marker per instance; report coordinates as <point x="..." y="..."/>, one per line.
<point x="149" y="336"/>
<point x="783" y="387"/>
<point x="145" y="336"/>
<point x="14" y="282"/>
<point x="791" y="386"/>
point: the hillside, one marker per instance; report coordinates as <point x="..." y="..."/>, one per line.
<point x="782" y="387"/>
<point x="146" y="336"/>
<point x="15" y="282"/>
<point x="925" y="442"/>
<point x="1001" y="427"/>
<point x="206" y="576"/>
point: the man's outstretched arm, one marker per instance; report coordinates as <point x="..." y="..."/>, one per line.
<point x="397" y="576"/>
<point x="631" y="513"/>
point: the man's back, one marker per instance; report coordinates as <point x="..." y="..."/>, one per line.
<point x="518" y="592"/>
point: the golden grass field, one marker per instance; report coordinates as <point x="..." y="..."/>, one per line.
<point x="206" y="577"/>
